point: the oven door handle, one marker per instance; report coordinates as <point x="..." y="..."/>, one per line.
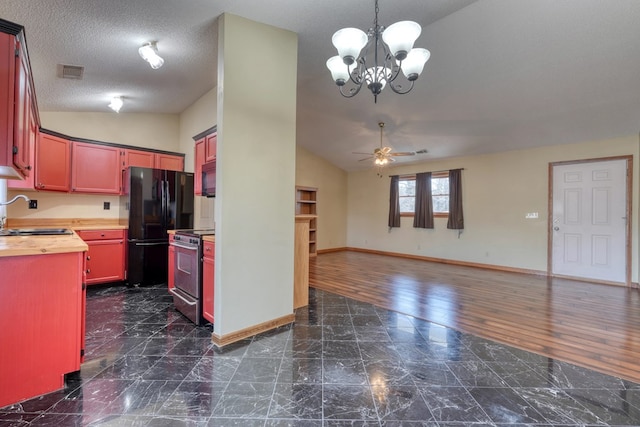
<point x="176" y="293"/>
<point x="179" y="245"/>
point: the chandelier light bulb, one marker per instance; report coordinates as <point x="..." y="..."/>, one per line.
<point x="339" y="71"/>
<point x="400" y="38"/>
<point x="413" y="65"/>
<point x="349" y="42"/>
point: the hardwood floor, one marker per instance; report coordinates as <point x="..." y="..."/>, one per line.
<point x="590" y="325"/>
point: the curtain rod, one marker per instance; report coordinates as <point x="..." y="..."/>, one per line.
<point x="411" y="174"/>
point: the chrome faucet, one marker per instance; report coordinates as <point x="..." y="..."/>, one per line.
<point x="3" y="218"/>
<point x="19" y="196"/>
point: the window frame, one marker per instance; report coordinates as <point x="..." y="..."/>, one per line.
<point x="443" y="174"/>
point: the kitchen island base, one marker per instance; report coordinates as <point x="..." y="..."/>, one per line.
<point x="41" y="323"/>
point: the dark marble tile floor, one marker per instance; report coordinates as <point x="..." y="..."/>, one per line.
<point x="343" y="363"/>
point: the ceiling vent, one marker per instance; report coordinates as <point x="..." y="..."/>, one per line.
<point x="72" y="72"/>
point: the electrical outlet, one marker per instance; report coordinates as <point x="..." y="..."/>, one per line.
<point x="33" y="204"/>
<point x="107" y="206"/>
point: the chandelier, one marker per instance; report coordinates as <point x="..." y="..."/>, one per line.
<point x="364" y="58"/>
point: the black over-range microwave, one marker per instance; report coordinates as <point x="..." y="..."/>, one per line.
<point x="209" y="179"/>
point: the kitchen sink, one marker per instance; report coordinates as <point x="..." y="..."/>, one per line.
<point x="35" y="232"/>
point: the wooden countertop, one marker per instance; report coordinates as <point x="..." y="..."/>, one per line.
<point x="209" y="238"/>
<point x="40" y="245"/>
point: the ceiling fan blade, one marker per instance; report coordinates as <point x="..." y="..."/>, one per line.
<point x="403" y="153"/>
<point x="366" y="158"/>
<point x="386" y="150"/>
<point x="358" y="152"/>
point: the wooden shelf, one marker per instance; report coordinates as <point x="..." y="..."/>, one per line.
<point x="306" y="204"/>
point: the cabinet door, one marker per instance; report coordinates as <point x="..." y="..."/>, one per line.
<point x="199" y="160"/>
<point x="22" y="114"/>
<point x="143" y="159"/>
<point x="7" y="77"/>
<point x="169" y="162"/>
<point x="95" y="169"/>
<point x="211" y="146"/>
<point x="105" y="261"/>
<point x="53" y="163"/>
<point x="29" y="182"/>
<point x="208" y="270"/>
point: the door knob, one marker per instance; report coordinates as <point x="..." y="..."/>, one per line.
<point x="556" y="228"/>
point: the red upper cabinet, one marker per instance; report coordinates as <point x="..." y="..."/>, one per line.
<point x="169" y="162"/>
<point x="211" y="145"/>
<point x="199" y="160"/>
<point x="143" y="159"/>
<point x="95" y="168"/>
<point x="17" y="107"/>
<point x="53" y="163"/>
<point x="29" y="182"/>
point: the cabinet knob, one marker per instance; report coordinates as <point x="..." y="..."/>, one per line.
<point x="88" y="270"/>
<point x="88" y="258"/>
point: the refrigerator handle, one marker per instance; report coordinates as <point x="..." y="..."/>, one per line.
<point x="165" y="205"/>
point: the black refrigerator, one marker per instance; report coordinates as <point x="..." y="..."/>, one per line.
<point x="158" y="201"/>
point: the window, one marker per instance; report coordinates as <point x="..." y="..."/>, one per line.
<point x="439" y="190"/>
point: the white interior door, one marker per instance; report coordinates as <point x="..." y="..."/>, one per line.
<point x="589" y="220"/>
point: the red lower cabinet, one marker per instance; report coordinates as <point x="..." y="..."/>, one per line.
<point x="106" y="256"/>
<point x="41" y="323"/>
<point x="208" y="269"/>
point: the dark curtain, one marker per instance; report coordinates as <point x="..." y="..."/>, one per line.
<point x="456" y="219"/>
<point x="423" y="214"/>
<point x="394" y="202"/>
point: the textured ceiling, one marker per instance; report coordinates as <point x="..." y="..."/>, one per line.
<point x="503" y="74"/>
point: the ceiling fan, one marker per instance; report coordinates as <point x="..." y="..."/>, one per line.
<point x="383" y="155"/>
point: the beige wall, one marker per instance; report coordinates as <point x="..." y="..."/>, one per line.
<point x="498" y="190"/>
<point x="200" y="116"/>
<point x="331" y="182"/>
<point x="255" y="174"/>
<point x="158" y="131"/>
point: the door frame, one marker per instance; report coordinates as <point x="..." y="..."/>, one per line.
<point x="628" y="243"/>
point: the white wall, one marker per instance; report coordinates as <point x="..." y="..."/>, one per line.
<point x="331" y="206"/>
<point x="254" y="208"/>
<point x="498" y="190"/>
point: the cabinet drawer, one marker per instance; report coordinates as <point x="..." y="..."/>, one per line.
<point x="209" y="250"/>
<point x="100" y="234"/>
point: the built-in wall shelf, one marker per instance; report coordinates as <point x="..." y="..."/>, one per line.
<point x="306" y="203"/>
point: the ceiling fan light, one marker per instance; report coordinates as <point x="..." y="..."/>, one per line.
<point x="400" y="38"/>
<point x="349" y="42"/>
<point x="339" y="71"/>
<point x="413" y="65"/>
